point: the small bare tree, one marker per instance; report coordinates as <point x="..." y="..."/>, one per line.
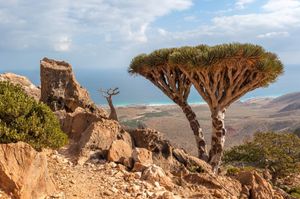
<point x="107" y="94"/>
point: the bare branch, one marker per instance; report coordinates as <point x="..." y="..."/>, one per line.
<point x="109" y="92"/>
<point x="108" y="95"/>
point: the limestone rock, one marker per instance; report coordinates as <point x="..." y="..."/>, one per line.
<point x="156" y="174"/>
<point x="97" y="139"/>
<point x="124" y="135"/>
<point x="75" y="123"/>
<point x="120" y="152"/>
<point x="24" y="172"/>
<point x="191" y="162"/>
<point x="165" y="195"/>
<point x="140" y="167"/>
<point x="142" y="155"/>
<point x="256" y="186"/>
<point x="29" y="88"/>
<point x="217" y="185"/>
<point x="154" y="142"/>
<point x="149" y="139"/>
<point x="61" y="91"/>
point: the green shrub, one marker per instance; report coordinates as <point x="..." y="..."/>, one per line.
<point x="278" y="152"/>
<point x="297" y="132"/>
<point x="295" y="192"/>
<point x="195" y="169"/>
<point x="24" y="119"/>
<point x="232" y="171"/>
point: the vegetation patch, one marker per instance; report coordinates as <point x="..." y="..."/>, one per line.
<point x="295" y="192"/>
<point x="133" y="124"/>
<point x="297" y="132"/>
<point x="138" y="123"/>
<point x="24" y="119"/>
<point x="195" y="169"/>
<point x="278" y="152"/>
<point x="155" y="114"/>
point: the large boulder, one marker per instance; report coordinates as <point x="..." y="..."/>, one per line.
<point x="24" y="172"/>
<point x="142" y="159"/>
<point x="256" y="187"/>
<point x="154" y="174"/>
<point x="61" y="91"/>
<point x="75" y="123"/>
<point x="153" y="141"/>
<point x="142" y="155"/>
<point x="120" y="152"/>
<point x="191" y="162"/>
<point x="97" y="139"/>
<point x="165" y="155"/>
<point x="212" y="186"/>
<point x="29" y="88"/>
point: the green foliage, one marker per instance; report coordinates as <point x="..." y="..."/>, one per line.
<point x="137" y="123"/>
<point x="279" y="152"/>
<point x="24" y="119"/>
<point x="154" y="114"/>
<point x="297" y="132"/>
<point x="195" y="169"/>
<point x="295" y="192"/>
<point x="133" y="123"/>
<point x="203" y="57"/>
<point x="231" y="170"/>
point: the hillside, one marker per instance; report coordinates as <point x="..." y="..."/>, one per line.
<point x="284" y="100"/>
<point x="242" y="119"/>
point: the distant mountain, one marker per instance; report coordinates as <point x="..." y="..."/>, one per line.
<point x="291" y="107"/>
<point x="286" y="102"/>
<point x="258" y="101"/>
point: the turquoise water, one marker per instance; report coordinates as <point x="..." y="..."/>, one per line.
<point x="137" y="90"/>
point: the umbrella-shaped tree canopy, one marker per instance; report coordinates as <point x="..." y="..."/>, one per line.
<point x="221" y="74"/>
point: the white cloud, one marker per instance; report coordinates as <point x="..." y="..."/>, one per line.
<point x="89" y="20"/>
<point x="162" y="32"/>
<point x="273" y="17"/>
<point x="273" y="34"/>
<point x="63" y="44"/>
<point x="272" y="20"/>
<point x="279" y="5"/>
<point x="240" y="4"/>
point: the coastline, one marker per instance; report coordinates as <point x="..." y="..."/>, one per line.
<point x="160" y="104"/>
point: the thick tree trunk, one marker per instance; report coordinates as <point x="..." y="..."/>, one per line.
<point x="113" y="113"/>
<point x="197" y="130"/>
<point x="218" y="138"/>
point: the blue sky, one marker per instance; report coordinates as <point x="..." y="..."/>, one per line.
<point x="107" y="34"/>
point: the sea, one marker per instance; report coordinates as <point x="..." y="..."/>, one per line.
<point x="135" y="90"/>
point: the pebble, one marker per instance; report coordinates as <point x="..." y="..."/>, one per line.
<point x="108" y="192"/>
<point x="137" y="175"/>
<point x="112" y="165"/>
<point x="156" y="184"/>
<point x="114" y="190"/>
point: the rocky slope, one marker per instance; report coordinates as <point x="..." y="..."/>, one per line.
<point x="104" y="160"/>
<point x="25" y="83"/>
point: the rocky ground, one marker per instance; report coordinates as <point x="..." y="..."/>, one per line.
<point x="3" y="195"/>
<point x="102" y="179"/>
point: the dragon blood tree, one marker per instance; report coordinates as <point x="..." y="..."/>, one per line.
<point x="175" y="84"/>
<point x="222" y="74"/>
